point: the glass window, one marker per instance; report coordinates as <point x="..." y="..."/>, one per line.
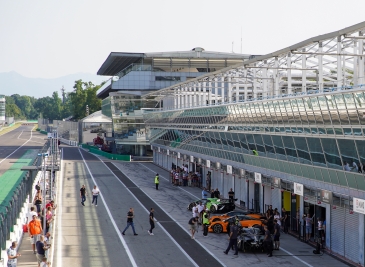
<point x="338" y="131"/>
<point x="243" y="143"/>
<point x="354" y="120"/>
<point x="330" y="131"/>
<point x="331" y="153"/>
<point x="279" y="147"/>
<point x="290" y="149"/>
<point x="302" y="150"/>
<point x="326" y="117"/>
<point x="315" y="148"/>
<point x="340" y="103"/>
<point x="349" y="100"/>
<point x="251" y="142"/>
<point x="269" y="147"/>
<point x="347" y="131"/>
<point x="259" y="143"/>
<point x="357" y="131"/>
<point x="343" y="116"/>
<point x="361" y="151"/>
<point x="348" y="151"/>
<point x="334" y="117"/>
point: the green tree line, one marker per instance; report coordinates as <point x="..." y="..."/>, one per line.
<point x="53" y="108"/>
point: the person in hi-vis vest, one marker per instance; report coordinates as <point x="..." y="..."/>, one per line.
<point x="157" y="181"/>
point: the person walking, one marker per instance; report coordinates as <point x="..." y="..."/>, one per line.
<point x="152" y="221"/>
<point x="130" y="216"/>
<point x="83" y="194"/>
<point x="30" y="216"/>
<point x="12" y="255"/>
<point x="192" y="226"/>
<point x="96" y="193"/>
<point x="231" y="195"/>
<point x="232" y="239"/>
<point x="35" y="230"/>
<point x="157" y="181"/>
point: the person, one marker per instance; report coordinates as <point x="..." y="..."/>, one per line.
<point x="12" y="255"/>
<point x="83" y="194"/>
<point x="51" y="204"/>
<point x="268" y="241"/>
<point x="192" y="226"/>
<point x="35" y="230"/>
<point x="361" y="167"/>
<point x="207" y="180"/>
<point x="195" y="211"/>
<point x="277" y="218"/>
<point x="346" y="166"/>
<point x="96" y="193"/>
<point x="231" y="195"/>
<point x="269" y="212"/>
<point x="284" y="217"/>
<point x="355" y="168"/>
<point x="41" y="249"/>
<point x="157" y="181"/>
<point x="205" y="222"/>
<point x="320" y="229"/>
<point x="130" y="216"/>
<point x="152" y="221"/>
<point x="49" y="218"/>
<point x="30" y="216"/>
<point x="212" y="193"/>
<point x="308" y="226"/>
<point x="204" y="193"/>
<point x="217" y="194"/>
<point x="200" y="212"/>
<point x="276" y="235"/>
<point x="38" y="200"/>
<point x="45" y="263"/>
<point x="232" y="239"/>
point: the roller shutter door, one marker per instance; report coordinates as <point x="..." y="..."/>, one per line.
<point x="276" y="199"/>
<point x="169" y="163"/>
<point x="228" y="184"/>
<point x="237" y="189"/>
<point x="267" y="197"/>
<point x="337" y="230"/>
<point x="352" y="236"/>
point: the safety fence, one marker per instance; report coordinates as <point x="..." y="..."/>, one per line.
<point x="95" y="150"/>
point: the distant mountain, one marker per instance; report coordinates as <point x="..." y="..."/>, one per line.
<point x="14" y="83"/>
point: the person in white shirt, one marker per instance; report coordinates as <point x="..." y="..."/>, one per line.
<point x="30" y="215"/>
<point x="200" y="212"/>
<point x="96" y="193"/>
<point x="277" y="218"/>
<point x="195" y="211"/>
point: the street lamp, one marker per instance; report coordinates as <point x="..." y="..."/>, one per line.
<point x="44" y="155"/>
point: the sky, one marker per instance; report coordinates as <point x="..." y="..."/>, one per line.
<point x="49" y="38"/>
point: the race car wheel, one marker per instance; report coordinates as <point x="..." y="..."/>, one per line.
<point x="213" y="209"/>
<point x="217" y="228"/>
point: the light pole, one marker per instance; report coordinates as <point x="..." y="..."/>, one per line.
<point x="44" y="155"/>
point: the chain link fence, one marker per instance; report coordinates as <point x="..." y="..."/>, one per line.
<point x="66" y="129"/>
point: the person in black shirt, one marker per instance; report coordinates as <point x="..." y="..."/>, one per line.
<point x="276" y="235"/>
<point x="130" y="217"/>
<point x="268" y="242"/>
<point x="232" y="239"/>
<point x="152" y="222"/>
<point x="83" y="195"/>
<point x="192" y="225"/>
<point x="231" y="195"/>
<point x="212" y="193"/>
<point x="217" y="194"/>
<point x="41" y="247"/>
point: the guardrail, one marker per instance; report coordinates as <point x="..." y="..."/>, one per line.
<point x="96" y="150"/>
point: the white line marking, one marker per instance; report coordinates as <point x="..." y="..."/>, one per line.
<point x="31" y="134"/>
<point x="59" y="216"/>
<point x="173" y="240"/>
<point x="111" y="217"/>
<point x="169" y="180"/>
<point x="20" y="134"/>
<point x="302" y="261"/>
<point x="201" y="244"/>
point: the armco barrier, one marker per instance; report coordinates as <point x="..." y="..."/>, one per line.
<point x="96" y="151"/>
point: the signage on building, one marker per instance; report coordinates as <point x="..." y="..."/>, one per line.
<point x="359" y="205"/>
<point x="229" y="169"/>
<point x="276" y="182"/>
<point x="168" y="152"/>
<point x="326" y="196"/>
<point x="298" y="189"/>
<point x="208" y="163"/>
<point x="178" y="155"/>
<point x="191" y="158"/>
<point x="258" y="177"/>
<point x="159" y="149"/>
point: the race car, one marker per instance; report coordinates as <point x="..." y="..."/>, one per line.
<point x="222" y="217"/>
<point x="205" y="201"/>
<point x="245" y="221"/>
<point x="222" y="205"/>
